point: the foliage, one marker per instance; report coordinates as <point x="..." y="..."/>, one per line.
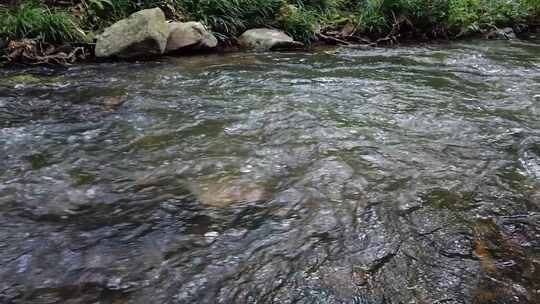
<point x="475" y="15"/>
<point x="227" y="18"/>
<point x="36" y="21"/>
<point x="453" y="17"/>
<point x="464" y="14"/>
<point x="298" y="22"/>
<point x="300" y="18"/>
<point x="371" y="17"/>
<point x="318" y="5"/>
<point x="534" y="7"/>
<point x="97" y="14"/>
<point x="230" y="17"/>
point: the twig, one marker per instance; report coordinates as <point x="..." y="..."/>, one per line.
<point x="333" y="39"/>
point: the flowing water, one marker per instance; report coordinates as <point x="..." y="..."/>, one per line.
<point x="407" y="175"/>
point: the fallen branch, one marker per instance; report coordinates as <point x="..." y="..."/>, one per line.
<point x="361" y="39"/>
<point x="333" y="39"/>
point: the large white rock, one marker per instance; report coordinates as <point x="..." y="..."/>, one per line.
<point x="144" y="33"/>
<point x="189" y="36"/>
<point x="267" y="39"/>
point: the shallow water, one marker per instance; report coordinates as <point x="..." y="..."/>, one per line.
<point x="407" y="175"/>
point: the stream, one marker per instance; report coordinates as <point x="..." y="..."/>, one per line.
<point x="389" y="175"/>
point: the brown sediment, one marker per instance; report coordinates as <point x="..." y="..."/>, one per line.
<point x="508" y="268"/>
<point x="484" y="231"/>
<point x="485" y="296"/>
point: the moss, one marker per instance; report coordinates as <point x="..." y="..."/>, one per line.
<point x="445" y="199"/>
<point x="82" y="177"/>
<point x="38" y="161"/>
<point x="23" y="79"/>
<point x="536" y="149"/>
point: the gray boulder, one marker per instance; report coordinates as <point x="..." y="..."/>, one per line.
<point x="267" y="40"/>
<point x="189" y="36"/>
<point x="144" y="33"/>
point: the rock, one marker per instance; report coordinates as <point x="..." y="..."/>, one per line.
<point x="505" y="33"/>
<point x="144" y="33"/>
<point x="189" y="36"/>
<point x="3" y="44"/>
<point x="267" y="39"/>
<point x="113" y="102"/>
<point x="228" y="191"/>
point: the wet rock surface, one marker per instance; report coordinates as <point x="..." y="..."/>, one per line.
<point x="405" y="175"/>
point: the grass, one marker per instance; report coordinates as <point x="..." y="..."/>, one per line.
<point x="302" y="19"/>
<point x="33" y="20"/>
<point x="230" y="18"/>
<point x="299" y="22"/>
<point x="474" y="15"/>
<point x="451" y="18"/>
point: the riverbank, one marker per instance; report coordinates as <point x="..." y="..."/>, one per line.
<point x="63" y="32"/>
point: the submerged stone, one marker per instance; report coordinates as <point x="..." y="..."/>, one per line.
<point x="267" y="40"/>
<point x="113" y="102"/>
<point x="189" y="36"/>
<point x="144" y="33"/>
<point x="227" y="191"/>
